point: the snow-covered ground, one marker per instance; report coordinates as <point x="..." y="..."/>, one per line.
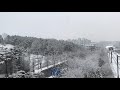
<point x="7" y="46"/>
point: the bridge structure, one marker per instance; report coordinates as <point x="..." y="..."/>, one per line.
<point x="48" y="69"/>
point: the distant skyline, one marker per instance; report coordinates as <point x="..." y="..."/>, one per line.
<point x="95" y="26"/>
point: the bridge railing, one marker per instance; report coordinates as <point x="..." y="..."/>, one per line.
<point x="50" y="66"/>
<point x="115" y="56"/>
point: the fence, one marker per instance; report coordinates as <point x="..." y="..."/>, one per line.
<point x="114" y="57"/>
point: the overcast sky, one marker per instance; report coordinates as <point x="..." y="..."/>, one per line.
<point x="96" y="26"/>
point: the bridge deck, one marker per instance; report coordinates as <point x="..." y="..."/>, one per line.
<point x="38" y="71"/>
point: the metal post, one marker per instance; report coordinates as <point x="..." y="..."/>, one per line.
<point x="53" y="58"/>
<point x="37" y="60"/>
<point x="6" y="69"/>
<point x="111" y="56"/>
<point x="47" y="63"/>
<point x="13" y="63"/>
<point x="33" y="66"/>
<point x="12" y="67"/>
<point x="67" y="65"/>
<point x="54" y="63"/>
<point x="117" y="67"/>
<point x="29" y="62"/>
<point x="40" y="65"/>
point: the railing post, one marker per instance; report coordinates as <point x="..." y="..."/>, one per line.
<point x="40" y="65"/>
<point x="6" y="69"/>
<point x="47" y="63"/>
<point x="33" y="67"/>
<point x="117" y="67"/>
<point x="111" y="56"/>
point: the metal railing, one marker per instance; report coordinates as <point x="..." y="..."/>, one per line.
<point x="115" y="56"/>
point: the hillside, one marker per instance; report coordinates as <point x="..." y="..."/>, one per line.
<point x="41" y="46"/>
<point x="80" y="41"/>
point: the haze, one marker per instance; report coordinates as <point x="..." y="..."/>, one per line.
<point x="96" y="26"/>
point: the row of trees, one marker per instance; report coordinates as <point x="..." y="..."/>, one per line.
<point x="94" y="65"/>
<point x="13" y="61"/>
<point x="80" y="41"/>
<point x="41" y="46"/>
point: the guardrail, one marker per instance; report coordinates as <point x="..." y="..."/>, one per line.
<point x="115" y="56"/>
